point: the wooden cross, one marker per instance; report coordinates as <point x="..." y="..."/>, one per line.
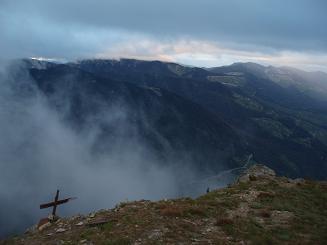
<point x="55" y="203"/>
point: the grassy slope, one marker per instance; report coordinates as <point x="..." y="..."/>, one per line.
<point x="262" y="211"/>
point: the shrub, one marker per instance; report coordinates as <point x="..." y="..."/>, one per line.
<point x="221" y="221"/>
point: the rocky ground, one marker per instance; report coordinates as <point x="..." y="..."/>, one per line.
<point x="259" y="208"/>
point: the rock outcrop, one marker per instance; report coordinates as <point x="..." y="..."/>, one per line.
<point x="256" y="172"/>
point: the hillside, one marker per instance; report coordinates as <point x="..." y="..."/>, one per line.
<point x="259" y="208"/>
<point x="311" y="83"/>
<point x="217" y="117"/>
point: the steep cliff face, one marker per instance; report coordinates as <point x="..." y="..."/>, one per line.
<point x="259" y="208"/>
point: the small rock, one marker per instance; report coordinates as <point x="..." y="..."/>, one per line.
<point x="60" y="230"/>
<point x="80" y="223"/>
<point x="155" y="234"/>
<point x="31" y="229"/>
<point x="53" y="218"/>
<point x="297" y="181"/>
<point x="75" y="217"/>
<point x="98" y="221"/>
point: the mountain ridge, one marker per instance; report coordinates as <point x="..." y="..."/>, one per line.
<point x="258" y="208"/>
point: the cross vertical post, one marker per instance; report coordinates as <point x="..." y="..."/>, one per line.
<point x="55" y="204"/>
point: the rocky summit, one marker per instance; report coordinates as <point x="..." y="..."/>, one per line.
<point x="259" y="208"/>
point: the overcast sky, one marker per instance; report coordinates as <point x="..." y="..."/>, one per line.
<point x="194" y="32"/>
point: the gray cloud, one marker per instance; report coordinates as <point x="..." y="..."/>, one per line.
<point x="79" y="28"/>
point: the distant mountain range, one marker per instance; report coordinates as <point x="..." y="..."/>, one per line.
<point x="213" y="117"/>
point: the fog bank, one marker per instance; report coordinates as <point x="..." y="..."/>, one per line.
<point x="40" y="153"/>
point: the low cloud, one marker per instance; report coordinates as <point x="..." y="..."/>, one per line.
<point x="40" y="152"/>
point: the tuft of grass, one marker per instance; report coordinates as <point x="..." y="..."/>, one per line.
<point x="265" y="194"/>
<point x="197" y="211"/>
<point x="119" y="241"/>
<point x="253" y="178"/>
<point x="123" y="204"/>
<point x="106" y="227"/>
<point x="171" y="212"/>
<point x="265" y="213"/>
<point x="87" y="234"/>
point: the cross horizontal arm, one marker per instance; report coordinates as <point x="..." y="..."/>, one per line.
<point x="51" y="204"/>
